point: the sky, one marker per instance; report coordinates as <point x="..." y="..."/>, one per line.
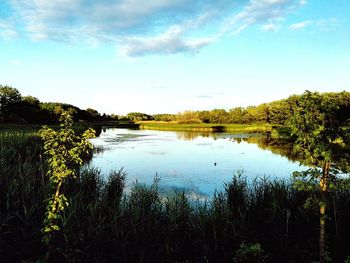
<point x="167" y="56"/>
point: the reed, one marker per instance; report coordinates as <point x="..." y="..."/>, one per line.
<point x="205" y="127"/>
<point x="262" y="219"/>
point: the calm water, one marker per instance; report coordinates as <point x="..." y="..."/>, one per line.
<point x="199" y="163"/>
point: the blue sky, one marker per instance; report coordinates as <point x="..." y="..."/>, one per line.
<point x="159" y="56"/>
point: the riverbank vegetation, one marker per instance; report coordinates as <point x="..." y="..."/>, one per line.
<point x="204" y="127"/>
<point x="16" y="108"/>
<point x="109" y="220"/>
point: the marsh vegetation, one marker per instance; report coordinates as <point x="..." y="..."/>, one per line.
<point x="247" y="220"/>
<point x="104" y="223"/>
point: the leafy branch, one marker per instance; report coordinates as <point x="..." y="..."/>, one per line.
<point x="64" y="150"/>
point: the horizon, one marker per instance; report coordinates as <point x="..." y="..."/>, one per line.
<point x="194" y="110"/>
<point x="171" y="56"/>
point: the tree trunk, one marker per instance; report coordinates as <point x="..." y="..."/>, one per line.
<point x="323" y="207"/>
<point x="322" y="231"/>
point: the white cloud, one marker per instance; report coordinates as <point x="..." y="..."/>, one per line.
<point x="300" y="25"/>
<point x="321" y="24"/>
<point x="170" y="42"/>
<point x="104" y="17"/>
<point x="260" y="12"/>
<point x="271" y="27"/>
<point x="328" y="24"/>
<point x="146" y="27"/>
<point x="7" y="30"/>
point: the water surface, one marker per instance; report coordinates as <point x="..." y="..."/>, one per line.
<point x="196" y="162"/>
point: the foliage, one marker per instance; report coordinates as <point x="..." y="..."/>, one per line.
<point x="139" y="116"/>
<point x="29" y="109"/>
<point x="114" y="188"/>
<point x="23" y="189"/>
<point x="320" y="141"/>
<point x="9" y="97"/>
<point x="205" y="127"/>
<point x="15" y="108"/>
<point x="319" y="133"/>
<point x="164" y="117"/>
<point x="188" y="117"/>
<point x="144" y="225"/>
<point x="250" y="253"/>
<point x="276" y="112"/>
<point x="103" y="223"/>
<point x="65" y="152"/>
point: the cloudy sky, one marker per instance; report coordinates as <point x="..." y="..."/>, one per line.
<point x="158" y="56"/>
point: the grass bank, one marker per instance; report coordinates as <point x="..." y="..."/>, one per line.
<point x="78" y="126"/>
<point x="162" y="126"/>
<point x="205" y="127"/>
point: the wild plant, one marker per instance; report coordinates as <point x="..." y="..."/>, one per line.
<point x="64" y="150"/>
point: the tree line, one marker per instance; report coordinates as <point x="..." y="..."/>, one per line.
<point x="275" y="112"/>
<point x="15" y="108"/>
<point x="27" y="109"/>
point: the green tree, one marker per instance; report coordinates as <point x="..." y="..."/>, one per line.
<point x="164" y="117"/>
<point x="188" y="117"/>
<point x="30" y="100"/>
<point x="204" y="116"/>
<point x="8" y="98"/>
<point x="280" y="111"/>
<point x="93" y="114"/>
<point x="259" y="114"/>
<point x="236" y="115"/>
<point x="138" y="116"/>
<point x="219" y="116"/>
<point x="65" y="151"/>
<point x="320" y="140"/>
<point x="29" y="110"/>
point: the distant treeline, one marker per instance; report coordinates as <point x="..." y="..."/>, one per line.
<point x="15" y="108"/>
<point x="276" y="112"/>
<point x="27" y="109"/>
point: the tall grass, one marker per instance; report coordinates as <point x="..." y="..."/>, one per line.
<point x="206" y="127"/>
<point x="23" y="187"/>
<point x="104" y="223"/>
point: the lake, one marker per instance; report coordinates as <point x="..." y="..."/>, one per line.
<point x="199" y="163"/>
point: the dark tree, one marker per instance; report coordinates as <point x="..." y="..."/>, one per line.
<point x="9" y="98"/>
<point x="320" y="139"/>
